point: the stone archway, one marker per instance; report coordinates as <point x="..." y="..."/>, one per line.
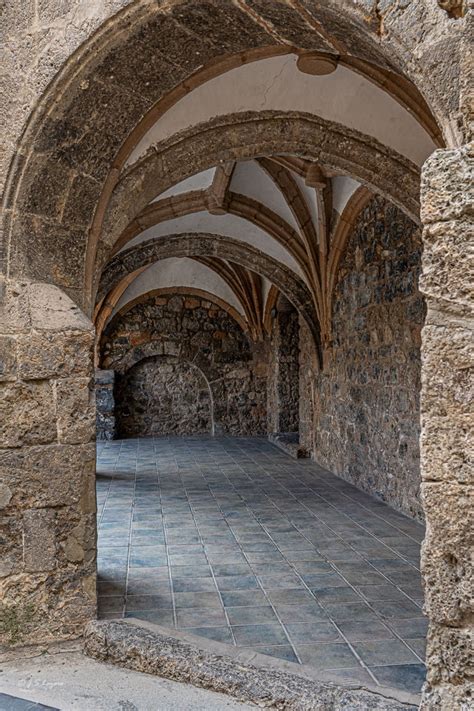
<point x="60" y="164"/>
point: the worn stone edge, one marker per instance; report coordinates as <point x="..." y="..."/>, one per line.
<point x="247" y="676"/>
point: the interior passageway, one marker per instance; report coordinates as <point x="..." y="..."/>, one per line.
<point x="232" y="540"/>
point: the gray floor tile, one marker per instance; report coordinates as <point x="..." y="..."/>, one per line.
<point x="409" y="677"/>
<point x="237" y="582"/>
<point x="285" y="652"/>
<point x="207" y="617"/>
<point x="251" y="615"/>
<point x="15" y="703"/>
<point x="327" y="656"/>
<point x="190" y="584"/>
<point x="218" y="634"/>
<point x="382" y="652"/>
<point x="259" y="635"/>
<point x="230" y="569"/>
<point x="148" y="602"/>
<point x="409" y="628"/>
<point x="248" y="598"/>
<point x="360" y="630"/>
<point x="290" y="596"/>
<point x="341" y="612"/>
<point x="309" y="632"/>
<point x="396" y="610"/>
<point x="197" y="599"/>
<point x="307" y="613"/>
<point x="191" y="571"/>
<point x="160" y="616"/>
<point x="337" y="594"/>
<point x="275" y="582"/>
<point x="418" y="646"/>
<point x="154" y="574"/>
<point x="240" y="511"/>
<point x="380" y="592"/>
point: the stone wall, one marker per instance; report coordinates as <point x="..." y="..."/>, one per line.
<point x="105" y="404"/>
<point x="283" y="379"/>
<point x="197" y="333"/>
<point x="367" y="398"/>
<point x="163" y="395"/>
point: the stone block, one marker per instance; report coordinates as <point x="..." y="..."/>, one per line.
<point x="447" y="564"/>
<point x="51" y="355"/>
<point x="445" y="445"/>
<point x="104" y="400"/>
<point x="48" y="253"/>
<point x="14" y="308"/>
<point x="39" y="540"/>
<point x="447" y="185"/>
<point x="49" y="476"/>
<point x="53" y="310"/>
<point x="448" y="262"/>
<point x="27" y="414"/>
<point x="45" y="187"/>
<point x="75" y="409"/>
<point x="7" y="358"/>
<point x="448" y="363"/>
<point x="104" y="377"/>
<point x="450" y="652"/>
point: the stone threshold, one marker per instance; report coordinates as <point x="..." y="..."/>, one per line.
<point x="246" y="675"/>
<point x="289" y="443"/>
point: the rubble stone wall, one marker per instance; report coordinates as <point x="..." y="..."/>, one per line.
<point x="367" y="425"/>
<point x="283" y="372"/>
<point x="163" y="395"/>
<point x="105" y="404"/>
<point x="206" y="344"/>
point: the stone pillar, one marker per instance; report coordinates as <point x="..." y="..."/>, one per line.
<point x="283" y="387"/>
<point x="105" y="403"/>
<point x="447" y="421"/>
<point x="47" y="466"/>
<point x="308" y="374"/>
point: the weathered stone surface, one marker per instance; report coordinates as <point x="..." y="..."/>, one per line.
<point x="451" y="653"/>
<point x="36" y="475"/>
<point x="447" y="450"/>
<point x="39" y="542"/>
<point x="143" y="649"/>
<point x="450" y="540"/>
<point x="27" y="414"/>
<point x="308" y="374"/>
<point x="367" y="427"/>
<point x="172" y="362"/>
<point x="283" y="385"/>
<point x="7" y="358"/>
<point x="5" y="495"/>
<point x="163" y="395"/>
<point x="52" y="355"/>
<point x="105" y="404"/>
<point x="442" y="197"/>
<point x="75" y="403"/>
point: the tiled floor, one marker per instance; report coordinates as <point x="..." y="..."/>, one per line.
<point x="230" y="539"/>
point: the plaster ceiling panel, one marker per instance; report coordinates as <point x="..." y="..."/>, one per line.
<point x="179" y="272"/>
<point x="250" y="179"/>
<point x="200" y="181"/>
<point x="342" y="190"/>
<point x="225" y="225"/>
<point x="276" y="84"/>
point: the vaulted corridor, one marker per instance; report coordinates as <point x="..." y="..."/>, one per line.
<point x="230" y="539"/>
